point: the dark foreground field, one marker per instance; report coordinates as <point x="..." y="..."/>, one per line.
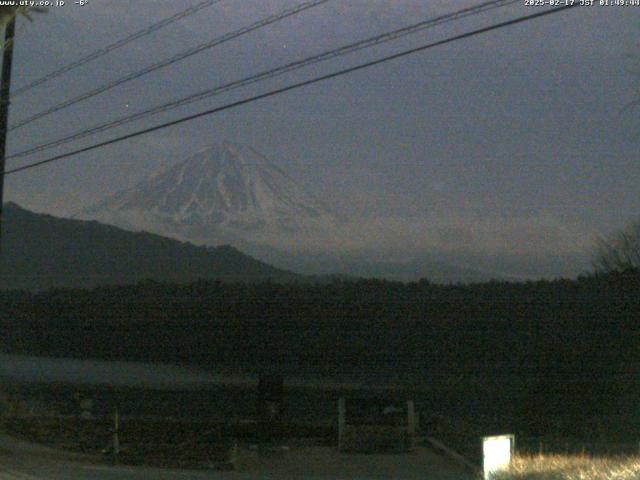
<point x="552" y="362"/>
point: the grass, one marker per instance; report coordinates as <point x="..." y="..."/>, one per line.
<point x="156" y="443"/>
<point x="570" y="467"/>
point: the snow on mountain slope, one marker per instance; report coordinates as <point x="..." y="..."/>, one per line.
<point x="224" y="193"/>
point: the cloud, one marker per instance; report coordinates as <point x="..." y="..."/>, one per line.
<point x="527" y="236"/>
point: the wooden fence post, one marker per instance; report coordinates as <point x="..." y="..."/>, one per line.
<point x="116" y="439"/>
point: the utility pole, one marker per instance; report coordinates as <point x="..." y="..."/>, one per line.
<point x="5" y="88"/>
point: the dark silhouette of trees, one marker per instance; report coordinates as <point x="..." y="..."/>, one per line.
<point x="620" y="252"/>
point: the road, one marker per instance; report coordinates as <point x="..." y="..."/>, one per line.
<point x="21" y="461"/>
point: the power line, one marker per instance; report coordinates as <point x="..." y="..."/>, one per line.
<point x="165" y="63"/>
<point x="326" y="55"/>
<point x="295" y="86"/>
<point x="114" y="46"/>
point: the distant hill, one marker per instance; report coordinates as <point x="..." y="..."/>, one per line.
<point x="41" y="251"/>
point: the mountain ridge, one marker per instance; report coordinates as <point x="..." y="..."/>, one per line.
<point x="40" y="251"/>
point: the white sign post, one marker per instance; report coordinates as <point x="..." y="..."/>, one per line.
<point x="496" y="453"/>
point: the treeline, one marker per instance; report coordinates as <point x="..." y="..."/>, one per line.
<point x="471" y="323"/>
<point x="552" y="353"/>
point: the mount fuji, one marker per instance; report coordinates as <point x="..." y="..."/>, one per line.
<point x="231" y="194"/>
<point x="225" y="193"/>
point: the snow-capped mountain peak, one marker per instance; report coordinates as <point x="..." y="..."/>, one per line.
<point x="223" y="192"/>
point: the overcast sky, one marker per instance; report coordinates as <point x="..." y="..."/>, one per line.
<point x="517" y="138"/>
